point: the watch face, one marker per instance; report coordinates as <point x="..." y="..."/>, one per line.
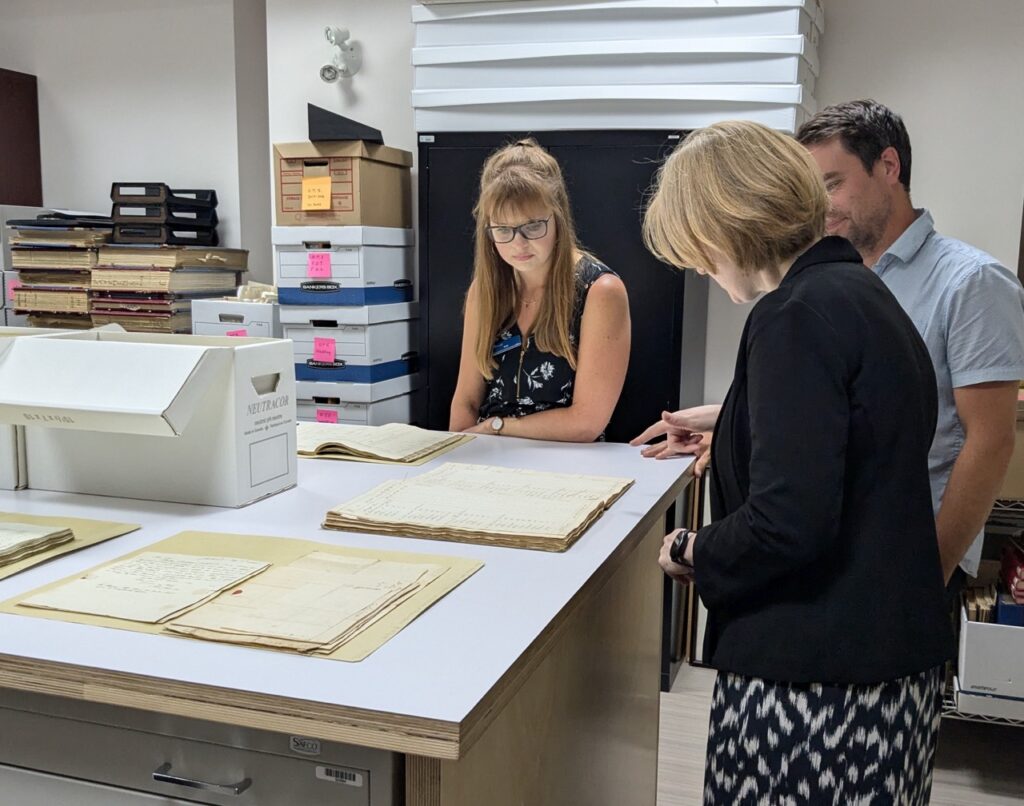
<point x="497" y="423"/>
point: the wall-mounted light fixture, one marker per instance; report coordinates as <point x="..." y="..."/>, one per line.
<point x="346" y="61"/>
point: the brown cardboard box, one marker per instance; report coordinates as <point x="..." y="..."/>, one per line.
<point x="370" y="183"/>
<point x="1013" y="483"/>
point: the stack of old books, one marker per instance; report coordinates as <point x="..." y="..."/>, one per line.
<point x="153" y="213"/>
<point x="481" y="504"/>
<point x="53" y="256"/>
<point x="150" y="288"/>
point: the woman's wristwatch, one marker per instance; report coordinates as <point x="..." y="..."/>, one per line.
<point x="677" y="553"/>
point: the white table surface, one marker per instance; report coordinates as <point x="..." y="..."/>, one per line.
<point x="438" y="667"/>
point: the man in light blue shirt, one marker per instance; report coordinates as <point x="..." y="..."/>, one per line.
<point x="968" y="308"/>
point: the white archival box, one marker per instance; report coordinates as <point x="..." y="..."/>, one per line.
<point x="189" y="419"/>
<point x="364" y="265"/>
<point x="13" y="473"/>
<point x="398" y="409"/>
<point x="990" y="658"/>
<point x="230" y="316"/>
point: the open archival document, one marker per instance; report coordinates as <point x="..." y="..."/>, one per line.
<point x="151" y="587"/>
<point x="483" y="504"/>
<point x="21" y="540"/>
<point x="313" y="604"/>
<point x="394" y="442"/>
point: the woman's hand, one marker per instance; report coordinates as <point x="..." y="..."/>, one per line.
<point x="688" y="432"/>
<point x="680" y="573"/>
<point x="483" y="427"/>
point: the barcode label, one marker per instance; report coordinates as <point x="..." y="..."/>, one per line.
<point x="340" y="775"/>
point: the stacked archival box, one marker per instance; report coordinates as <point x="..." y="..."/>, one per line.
<point x="620" y="64"/>
<point x="347" y="303"/>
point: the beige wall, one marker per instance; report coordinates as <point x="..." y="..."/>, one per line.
<point x="954" y="69"/>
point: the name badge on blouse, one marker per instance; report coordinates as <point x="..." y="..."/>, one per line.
<point x="503" y="346"/>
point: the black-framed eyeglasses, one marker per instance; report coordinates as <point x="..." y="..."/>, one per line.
<point x="531" y="230"/>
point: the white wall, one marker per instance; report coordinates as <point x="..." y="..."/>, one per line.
<point x="130" y="90"/>
<point x="378" y="95"/>
<point x="954" y="71"/>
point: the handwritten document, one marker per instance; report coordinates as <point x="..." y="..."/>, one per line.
<point x="478" y="503"/>
<point x="151" y="587"/>
<point x="394" y="442"/>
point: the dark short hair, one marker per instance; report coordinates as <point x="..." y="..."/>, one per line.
<point x="865" y="128"/>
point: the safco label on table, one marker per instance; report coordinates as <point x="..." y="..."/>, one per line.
<point x="339" y="775"/>
<point x="308" y="747"/>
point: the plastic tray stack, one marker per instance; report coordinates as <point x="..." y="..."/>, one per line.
<point x="347" y="301"/>
<point x="153" y="213"/>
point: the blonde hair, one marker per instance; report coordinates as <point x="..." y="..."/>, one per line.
<point x="740" y="188"/>
<point x="514" y="177"/>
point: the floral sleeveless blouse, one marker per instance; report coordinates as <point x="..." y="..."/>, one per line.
<point x="528" y="380"/>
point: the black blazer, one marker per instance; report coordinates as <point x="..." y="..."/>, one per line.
<point x="822" y="563"/>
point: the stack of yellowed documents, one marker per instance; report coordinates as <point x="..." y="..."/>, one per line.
<point x="313" y="605"/>
<point x="481" y="504"/>
<point x="21" y="540"/>
<point x="394" y="443"/>
<point x="310" y="598"/>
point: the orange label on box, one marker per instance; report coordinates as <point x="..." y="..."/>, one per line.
<point x="316" y="193"/>
<point x="326" y="416"/>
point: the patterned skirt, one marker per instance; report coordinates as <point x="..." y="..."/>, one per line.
<point x="774" y="743"/>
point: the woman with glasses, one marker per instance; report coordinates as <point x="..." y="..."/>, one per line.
<point x="545" y="342"/>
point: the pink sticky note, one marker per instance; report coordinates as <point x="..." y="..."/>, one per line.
<point x="324" y="350"/>
<point x="12" y="286"/>
<point x="318" y="264"/>
<point x="326" y="416"/>
<point x="240" y="332"/>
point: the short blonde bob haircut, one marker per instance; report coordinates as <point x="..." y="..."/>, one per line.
<point x="740" y="188"/>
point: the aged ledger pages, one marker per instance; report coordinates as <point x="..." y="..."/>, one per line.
<point x="314" y="604"/>
<point x="482" y="504"/>
<point x="151" y="587"/>
<point x="21" y="540"/>
<point x="392" y="443"/>
<point x="84" y="532"/>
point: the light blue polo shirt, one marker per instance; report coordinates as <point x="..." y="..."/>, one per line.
<point x="970" y="311"/>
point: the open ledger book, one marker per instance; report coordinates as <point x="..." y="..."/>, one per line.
<point x="21" y="540"/>
<point x="392" y="443"/>
<point x="481" y="504"/>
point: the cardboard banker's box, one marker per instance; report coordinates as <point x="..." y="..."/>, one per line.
<point x="190" y="419"/>
<point x="342" y="183"/>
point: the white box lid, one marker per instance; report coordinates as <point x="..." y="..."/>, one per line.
<point x="105" y="383"/>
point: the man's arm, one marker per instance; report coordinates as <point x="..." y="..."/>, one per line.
<point x="988" y="412"/>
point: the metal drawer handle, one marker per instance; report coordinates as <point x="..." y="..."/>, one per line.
<point x="162" y="774"/>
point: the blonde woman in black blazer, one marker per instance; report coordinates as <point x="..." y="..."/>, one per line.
<point x="821" y="570"/>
